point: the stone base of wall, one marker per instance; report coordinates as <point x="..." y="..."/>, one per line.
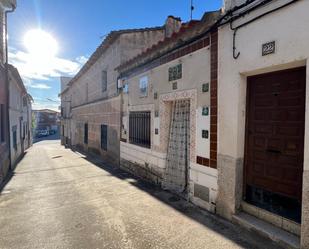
<point x="230" y="183"/>
<point x="94" y="152"/>
<point x="145" y="172"/>
<point x="4" y="166"/>
<point x="305" y="212"/>
<point x="203" y="186"/>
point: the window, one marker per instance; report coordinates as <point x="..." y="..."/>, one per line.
<point x="175" y="72"/>
<point x="125" y="87"/>
<point x="104" y="137"/>
<point x="86" y="134"/>
<point x="143" y="86"/>
<point x="139" y="128"/>
<point x="24" y="101"/>
<point x="104" y="81"/>
<point x="24" y="131"/>
<point x="14" y="129"/>
<point x="2" y="125"/>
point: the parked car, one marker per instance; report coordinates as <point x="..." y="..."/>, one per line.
<point x="52" y="132"/>
<point x="42" y="133"/>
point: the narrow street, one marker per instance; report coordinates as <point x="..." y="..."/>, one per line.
<point x="58" y="198"/>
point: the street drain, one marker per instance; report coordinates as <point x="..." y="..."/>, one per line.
<point x="173" y="199"/>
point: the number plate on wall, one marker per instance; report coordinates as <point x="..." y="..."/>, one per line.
<point x="268" y="48"/>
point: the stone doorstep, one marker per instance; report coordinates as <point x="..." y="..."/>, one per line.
<point x="279" y="221"/>
<point x="283" y="238"/>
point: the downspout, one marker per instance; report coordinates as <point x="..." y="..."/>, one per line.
<point x="13" y="7"/>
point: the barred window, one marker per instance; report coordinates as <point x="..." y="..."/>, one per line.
<point x="139" y="128"/>
<point x="104" y="137"/>
<point x="14" y="130"/>
<point x="175" y="72"/>
<point x="86" y="133"/>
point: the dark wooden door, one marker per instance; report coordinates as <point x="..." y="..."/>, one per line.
<point x="275" y="132"/>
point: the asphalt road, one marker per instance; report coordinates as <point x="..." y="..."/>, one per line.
<point x="58" y="198"/>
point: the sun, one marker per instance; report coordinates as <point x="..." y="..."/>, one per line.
<point x="40" y="44"/>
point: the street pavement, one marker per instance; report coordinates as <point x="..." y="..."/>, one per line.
<point x="58" y="198"/>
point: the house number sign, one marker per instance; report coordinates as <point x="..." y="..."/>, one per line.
<point x="268" y="48"/>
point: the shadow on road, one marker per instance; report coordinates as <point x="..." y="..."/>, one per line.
<point x="11" y="172"/>
<point x="223" y="227"/>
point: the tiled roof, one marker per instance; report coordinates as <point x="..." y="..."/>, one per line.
<point x="186" y="32"/>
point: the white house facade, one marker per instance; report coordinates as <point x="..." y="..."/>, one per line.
<point x="263" y="122"/>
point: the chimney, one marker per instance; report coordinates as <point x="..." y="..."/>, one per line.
<point x="172" y="25"/>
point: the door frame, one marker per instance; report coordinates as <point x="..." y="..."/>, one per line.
<point x="247" y="121"/>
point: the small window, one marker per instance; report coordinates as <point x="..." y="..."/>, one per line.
<point x="104" y="81"/>
<point x="86" y="134"/>
<point x="125" y="87"/>
<point x="14" y="129"/>
<point x="2" y="125"/>
<point x="139" y="128"/>
<point x="24" y="101"/>
<point x="143" y="86"/>
<point x="175" y="72"/>
<point x="104" y="137"/>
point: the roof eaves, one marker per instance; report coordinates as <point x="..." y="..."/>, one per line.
<point x="143" y="58"/>
<point x="17" y="77"/>
<point x="110" y="38"/>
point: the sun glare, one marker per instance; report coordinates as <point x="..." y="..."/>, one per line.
<point x="40" y="44"/>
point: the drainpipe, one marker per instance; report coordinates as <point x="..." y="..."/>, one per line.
<point x="13" y="7"/>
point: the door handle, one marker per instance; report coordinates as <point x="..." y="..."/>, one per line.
<point x="273" y="151"/>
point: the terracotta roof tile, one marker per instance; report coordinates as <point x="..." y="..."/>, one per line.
<point x="187" y="31"/>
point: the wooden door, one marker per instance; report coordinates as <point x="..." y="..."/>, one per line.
<point x="275" y="132"/>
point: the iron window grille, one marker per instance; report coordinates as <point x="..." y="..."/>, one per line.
<point x="86" y="134"/>
<point x="139" y="128"/>
<point x="104" y="137"/>
<point x="14" y="130"/>
<point x="175" y="72"/>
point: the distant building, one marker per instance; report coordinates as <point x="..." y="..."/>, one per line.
<point x="46" y="119"/>
<point x="5" y="5"/>
<point x="20" y="117"/>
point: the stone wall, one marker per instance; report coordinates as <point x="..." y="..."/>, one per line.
<point x="103" y="112"/>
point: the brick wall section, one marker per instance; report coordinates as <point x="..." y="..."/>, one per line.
<point x="185" y="50"/>
<point x="213" y="98"/>
<point x="212" y="161"/>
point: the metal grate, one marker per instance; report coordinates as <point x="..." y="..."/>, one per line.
<point x="139" y="128"/>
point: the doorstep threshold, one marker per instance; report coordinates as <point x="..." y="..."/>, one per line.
<point x="283" y="238"/>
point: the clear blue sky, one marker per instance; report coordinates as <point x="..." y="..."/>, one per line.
<point x="77" y="26"/>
